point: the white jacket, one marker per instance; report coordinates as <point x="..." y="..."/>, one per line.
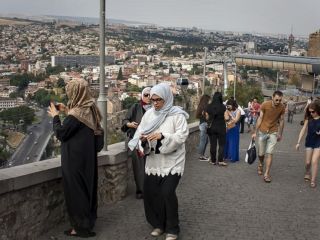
<point x="171" y="159"/>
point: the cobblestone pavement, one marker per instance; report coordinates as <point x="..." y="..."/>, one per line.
<point x="228" y="202"/>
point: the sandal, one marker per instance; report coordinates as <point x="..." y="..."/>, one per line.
<point x="307" y="177"/>
<point x="260" y="169"/>
<point x="313" y="184"/>
<point x="81" y="234"/>
<point x="267" y="179"/>
<point x="223" y="164"/>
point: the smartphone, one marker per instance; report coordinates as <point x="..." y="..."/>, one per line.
<point x="57" y="105"/>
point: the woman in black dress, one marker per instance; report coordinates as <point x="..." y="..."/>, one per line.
<point x="78" y="156"/>
<point x="216" y="128"/>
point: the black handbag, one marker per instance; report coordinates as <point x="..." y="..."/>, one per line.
<point x="251" y="155"/>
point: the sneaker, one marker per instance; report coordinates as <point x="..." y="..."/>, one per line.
<point x="203" y="158"/>
<point x="170" y="236"/>
<point x="156" y="232"/>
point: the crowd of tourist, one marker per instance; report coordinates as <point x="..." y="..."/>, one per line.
<point x="157" y="131"/>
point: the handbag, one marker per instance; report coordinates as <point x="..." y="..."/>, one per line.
<point x="251" y="154"/>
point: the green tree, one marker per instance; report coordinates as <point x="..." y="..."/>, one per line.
<point x="120" y="75"/>
<point x="128" y="102"/>
<point x="245" y="92"/>
<point x="55" y="70"/>
<point x="16" y="114"/>
<point x="133" y="88"/>
<point x="61" y="83"/>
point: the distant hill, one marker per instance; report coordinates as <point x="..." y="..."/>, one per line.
<point x="14" y="21"/>
<point x="10" y="19"/>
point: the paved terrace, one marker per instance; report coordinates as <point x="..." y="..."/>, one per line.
<point x="228" y="203"/>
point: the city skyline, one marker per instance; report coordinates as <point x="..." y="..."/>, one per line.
<point x="277" y="17"/>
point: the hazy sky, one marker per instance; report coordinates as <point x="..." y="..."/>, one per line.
<point x="269" y="16"/>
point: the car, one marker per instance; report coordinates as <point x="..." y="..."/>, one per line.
<point x="182" y="81"/>
<point x="28" y="158"/>
<point x="35" y="142"/>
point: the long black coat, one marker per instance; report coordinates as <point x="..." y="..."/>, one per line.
<point x="79" y="170"/>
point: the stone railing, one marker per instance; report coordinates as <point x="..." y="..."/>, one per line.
<point x="31" y="195"/>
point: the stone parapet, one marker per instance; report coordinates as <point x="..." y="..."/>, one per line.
<point x="31" y="195"/>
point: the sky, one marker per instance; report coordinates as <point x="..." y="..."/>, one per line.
<point x="254" y="16"/>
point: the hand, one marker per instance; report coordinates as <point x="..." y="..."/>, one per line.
<point x="279" y="137"/>
<point x="253" y="136"/>
<point x="52" y="110"/>
<point x="154" y="136"/>
<point x="297" y="146"/>
<point x="132" y="125"/>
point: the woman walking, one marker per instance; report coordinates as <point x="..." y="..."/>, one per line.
<point x="200" y="114"/>
<point x="162" y="133"/>
<point x="79" y="156"/>
<point x="232" y="116"/>
<point x="217" y="128"/>
<point x="312" y="143"/>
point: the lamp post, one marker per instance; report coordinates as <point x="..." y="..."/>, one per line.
<point x="235" y="81"/>
<point x="102" y="99"/>
<point x="204" y="70"/>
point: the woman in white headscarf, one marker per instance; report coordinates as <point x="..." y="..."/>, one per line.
<point x="164" y="128"/>
<point x="129" y="126"/>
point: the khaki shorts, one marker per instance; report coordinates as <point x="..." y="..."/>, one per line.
<point x="267" y="142"/>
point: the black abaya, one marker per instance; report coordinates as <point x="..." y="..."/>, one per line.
<point x="79" y="171"/>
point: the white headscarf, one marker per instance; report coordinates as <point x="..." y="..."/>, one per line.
<point x="163" y="90"/>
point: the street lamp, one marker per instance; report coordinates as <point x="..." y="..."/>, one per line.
<point x="204" y="70"/>
<point x="102" y="99"/>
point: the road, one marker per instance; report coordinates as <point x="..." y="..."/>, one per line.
<point x="31" y="148"/>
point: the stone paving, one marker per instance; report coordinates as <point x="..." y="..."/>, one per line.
<point x="228" y="202"/>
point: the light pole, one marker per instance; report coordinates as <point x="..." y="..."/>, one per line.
<point x="102" y="99"/>
<point x="235" y="81"/>
<point x="204" y="70"/>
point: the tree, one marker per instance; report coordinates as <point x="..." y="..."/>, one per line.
<point x="16" y="114"/>
<point x="61" y="83"/>
<point x="120" y="75"/>
<point x="133" y="88"/>
<point x="245" y="92"/>
<point x="128" y="102"/>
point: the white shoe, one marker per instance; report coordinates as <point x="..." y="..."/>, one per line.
<point x="170" y="236"/>
<point x="156" y="232"/>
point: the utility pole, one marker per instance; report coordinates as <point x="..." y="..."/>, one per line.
<point x="204" y="70"/>
<point x="102" y="100"/>
<point x="277" y="84"/>
<point x="235" y="81"/>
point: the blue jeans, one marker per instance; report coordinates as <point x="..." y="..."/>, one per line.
<point x="203" y="138"/>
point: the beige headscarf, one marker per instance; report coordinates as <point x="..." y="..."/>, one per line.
<point x="82" y="106"/>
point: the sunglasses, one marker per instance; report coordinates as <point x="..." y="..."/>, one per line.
<point x="156" y="99"/>
<point x="312" y="111"/>
<point x="146" y="95"/>
<point x="278" y="100"/>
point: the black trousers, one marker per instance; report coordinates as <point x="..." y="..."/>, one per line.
<point x="217" y="136"/>
<point x="161" y="202"/>
<point x="138" y="165"/>
<point x="242" y="118"/>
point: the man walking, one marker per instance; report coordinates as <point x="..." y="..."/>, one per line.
<point x="269" y="130"/>
<point x="291" y="105"/>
